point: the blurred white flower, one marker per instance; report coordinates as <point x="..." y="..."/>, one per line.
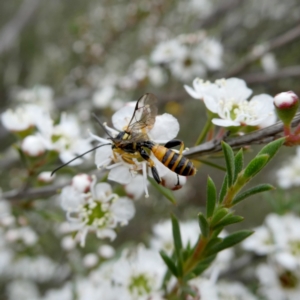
<point x="46" y="177"/>
<point x="6" y="217"/>
<point x="99" y="211"/>
<point x="68" y="243"/>
<point x="90" y="260"/>
<point x="277" y="283"/>
<point x="205" y="289"/>
<point x="157" y="76"/>
<point x="228" y="100"/>
<point x="103" y="97"/>
<point x="289" y="174"/>
<point x="40" y="95"/>
<point x="269" y="63"/>
<point x="33" y="146"/>
<point x="140" y="274"/>
<point x="22" y="289"/>
<point x="63" y="293"/>
<point x="106" y="251"/>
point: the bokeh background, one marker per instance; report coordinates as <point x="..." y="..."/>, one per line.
<point x="94" y="56"/>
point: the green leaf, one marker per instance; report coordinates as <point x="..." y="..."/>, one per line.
<point x="229" y="159"/>
<point x="203" y="225"/>
<point x="164" y="191"/>
<point x="223" y="189"/>
<point x="176" y="236"/>
<point x="228" y="220"/>
<point x="255" y="165"/>
<point x="219" y="215"/>
<point x="255" y="190"/>
<point x="168" y="261"/>
<point x="212" y="243"/>
<point x="211" y="197"/>
<point x="230" y="241"/>
<point x="211" y="164"/>
<point x="272" y="148"/>
<point x="202" y="266"/>
<point x="238" y="164"/>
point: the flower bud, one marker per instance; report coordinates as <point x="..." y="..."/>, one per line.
<point x="33" y="146"/>
<point x="90" y="260"/>
<point x="45" y="177"/>
<point x="82" y="183"/>
<point x="173" y="181"/>
<point x="286" y="104"/>
<point x="106" y="251"/>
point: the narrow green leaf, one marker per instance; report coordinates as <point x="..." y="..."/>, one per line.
<point x="238" y="163"/>
<point x="211" y="197"/>
<point x="212" y="243"/>
<point x="255" y="165"/>
<point x="228" y="220"/>
<point x="252" y="191"/>
<point x="223" y="189"/>
<point x="203" y="225"/>
<point x="229" y="159"/>
<point x="164" y="191"/>
<point x="211" y="164"/>
<point x="202" y="266"/>
<point x="219" y="215"/>
<point x="272" y="148"/>
<point x="176" y="236"/>
<point x="230" y="241"/>
<point x="168" y="261"/>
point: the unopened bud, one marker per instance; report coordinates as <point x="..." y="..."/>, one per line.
<point x="286" y="104"/>
<point x="45" y="177"/>
<point x="82" y="183"/>
<point x="90" y="260"/>
<point x="173" y="181"/>
<point x="33" y="146"/>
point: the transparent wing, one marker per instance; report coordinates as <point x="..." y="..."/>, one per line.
<point x="143" y="117"/>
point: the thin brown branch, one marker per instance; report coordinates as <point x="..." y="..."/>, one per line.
<point x="11" y="31"/>
<point x="261" y="136"/>
<point x="260" y="77"/>
<point x="259" y="50"/>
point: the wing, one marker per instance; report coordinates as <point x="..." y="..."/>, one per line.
<point x="143" y="117"/>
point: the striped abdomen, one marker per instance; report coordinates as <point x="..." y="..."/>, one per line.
<point x="174" y="161"/>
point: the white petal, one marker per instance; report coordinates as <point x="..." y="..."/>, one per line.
<point x="103" y="156"/>
<point x="122" y="117"/>
<point x="211" y="103"/>
<point x="193" y="93"/>
<point x="123" y="210"/>
<point x="135" y="189"/>
<point x="102" y="191"/>
<point x="106" y="233"/>
<point x="66" y="156"/>
<point x="120" y="174"/>
<point x="70" y="198"/>
<point x="166" y="127"/>
<point x="225" y="123"/>
<point x="236" y="88"/>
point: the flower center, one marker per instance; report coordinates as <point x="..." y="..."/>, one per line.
<point x="288" y="280"/>
<point x="139" y="285"/>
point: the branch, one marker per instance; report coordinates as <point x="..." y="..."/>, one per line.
<point x="12" y="29"/>
<point x="260" y="77"/>
<point x="259" y="50"/>
<point x="261" y="136"/>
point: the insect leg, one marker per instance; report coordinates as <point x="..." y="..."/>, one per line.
<point x="174" y="143"/>
<point x="146" y="156"/>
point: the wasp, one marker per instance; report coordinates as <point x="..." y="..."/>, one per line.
<point x="134" y="142"/>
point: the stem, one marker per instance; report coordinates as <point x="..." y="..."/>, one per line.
<point x="204" y="131"/>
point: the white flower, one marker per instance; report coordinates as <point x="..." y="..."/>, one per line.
<point x="33" y="146"/>
<point x="205" y="289"/>
<point x="90" y="260"/>
<point x="228" y="100"/>
<point x="289" y="174"/>
<point x="22" y="289"/>
<point x="165" y="129"/>
<point x="277" y="283"/>
<point x="23" y="118"/>
<point x="46" y="177"/>
<point x="269" y="63"/>
<point x="65" y="138"/>
<point x="63" y="293"/>
<point x="68" y="243"/>
<point x="157" y="76"/>
<point x="99" y="211"/>
<point x="103" y="97"/>
<point x="167" y="51"/>
<point x="106" y="251"/>
<point x="140" y="274"/>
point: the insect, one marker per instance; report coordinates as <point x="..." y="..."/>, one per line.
<point x="134" y="142"/>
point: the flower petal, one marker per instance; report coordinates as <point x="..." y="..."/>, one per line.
<point x="122" y="117"/>
<point x="103" y="156"/>
<point x="123" y="210"/>
<point x="120" y="174"/>
<point x="225" y="123"/>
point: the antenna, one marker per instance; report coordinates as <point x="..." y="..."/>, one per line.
<point x="102" y="126"/>
<point x="99" y="146"/>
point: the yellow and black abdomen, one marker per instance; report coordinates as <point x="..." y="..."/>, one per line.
<point x="174" y="161"/>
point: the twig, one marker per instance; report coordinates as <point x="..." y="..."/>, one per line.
<point x="261" y="136"/>
<point x="12" y="29"/>
<point x="261" y="77"/>
<point x="259" y="50"/>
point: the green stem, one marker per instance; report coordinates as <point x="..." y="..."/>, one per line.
<point x="205" y="130"/>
